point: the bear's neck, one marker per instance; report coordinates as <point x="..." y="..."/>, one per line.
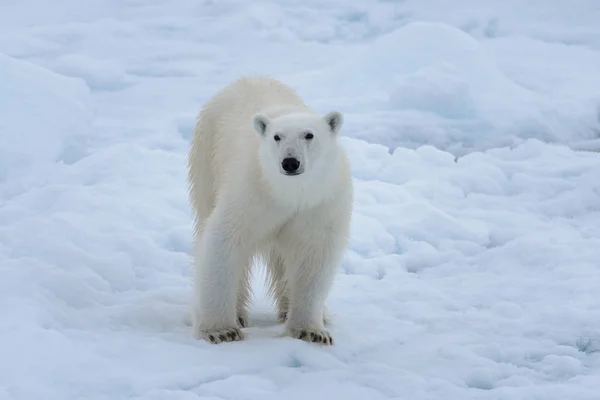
<point x="302" y="191"/>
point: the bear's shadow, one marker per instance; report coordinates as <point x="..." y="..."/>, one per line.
<point x="262" y="324"/>
<point x="263" y="319"/>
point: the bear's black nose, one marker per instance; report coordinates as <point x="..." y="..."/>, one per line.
<point x="290" y="164"/>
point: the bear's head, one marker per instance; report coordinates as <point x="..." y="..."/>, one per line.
<point x="299" y="144"/>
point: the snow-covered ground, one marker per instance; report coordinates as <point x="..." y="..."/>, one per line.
<point x="474" y="265"/>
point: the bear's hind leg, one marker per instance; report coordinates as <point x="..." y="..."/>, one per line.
<point x="278" y="289"/>
<point x="243" y="296"/>
<point x="277" y="284"/>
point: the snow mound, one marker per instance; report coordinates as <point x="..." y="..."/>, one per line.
<point x="444" y="89"/>
<point x="98" y="74"/>
<point x="44" y="118"/>
<point x="432" y="59"/>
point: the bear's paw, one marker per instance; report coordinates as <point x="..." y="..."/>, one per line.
<point x="216" y="336"/>
<point x="312" y="335"/>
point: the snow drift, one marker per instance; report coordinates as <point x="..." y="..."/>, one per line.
<point x="44" y="118"/>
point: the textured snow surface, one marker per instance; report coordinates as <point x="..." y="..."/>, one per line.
<point x="473" y="270"/>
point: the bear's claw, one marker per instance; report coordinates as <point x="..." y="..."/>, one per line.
<point x="282" y="316"/>
<point x="243" y="321"/>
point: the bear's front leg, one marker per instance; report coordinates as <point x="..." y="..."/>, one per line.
<point x="218" y="272"/>
<point x="312" y="270"/>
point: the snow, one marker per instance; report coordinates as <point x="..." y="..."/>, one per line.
<point x="44" y="117"/>
<point x="473" y="130"/>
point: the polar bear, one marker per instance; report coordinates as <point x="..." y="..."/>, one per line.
<point x="268" y="179"/>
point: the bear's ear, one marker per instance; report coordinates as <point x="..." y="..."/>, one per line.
<point x="261" y="122"/>
<point x="334" y="120"/>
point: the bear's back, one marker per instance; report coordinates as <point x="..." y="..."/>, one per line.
<point x="227" y="142"/>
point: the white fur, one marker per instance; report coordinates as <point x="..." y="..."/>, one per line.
<point x="246" y="207"/>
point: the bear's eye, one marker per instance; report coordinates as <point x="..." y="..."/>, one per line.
<point x="309" y="136"/>
<point x="277" y="138"/>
